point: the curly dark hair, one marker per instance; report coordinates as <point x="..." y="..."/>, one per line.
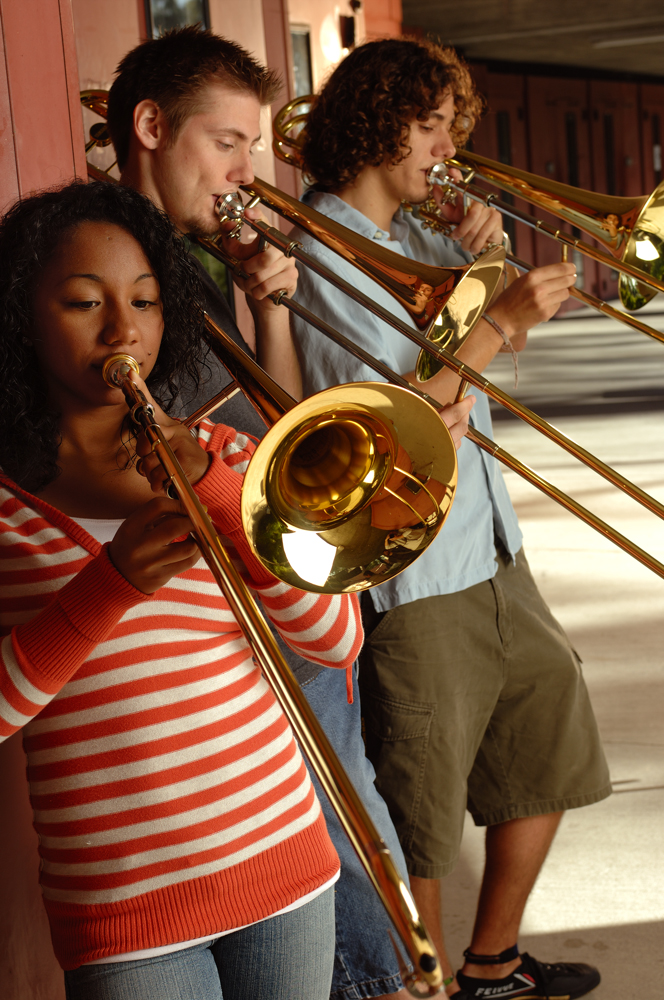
<point x="363" y="113"/>
<point x="172" y="70"/>
<point x="30" y="233"/>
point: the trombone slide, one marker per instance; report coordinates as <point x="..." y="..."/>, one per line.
<point x="430" y="217"/>
<point x="630" y="229"/>
<point x="357" y="823"/>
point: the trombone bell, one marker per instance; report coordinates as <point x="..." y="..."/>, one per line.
<point x="645" y="250"/>
<point x="463" y="309"/>
<point x="331" y="468"/>
<point x="349" y="487"/>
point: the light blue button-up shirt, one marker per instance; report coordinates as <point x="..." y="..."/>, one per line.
<point x="463" y="554"/>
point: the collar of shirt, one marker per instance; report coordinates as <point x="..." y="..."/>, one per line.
<point x="340" y="211"/>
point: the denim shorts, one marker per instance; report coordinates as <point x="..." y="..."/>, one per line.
<point x="364" y="961"/>
<point x="282" y="958"/>
<point x="476" y="701"/>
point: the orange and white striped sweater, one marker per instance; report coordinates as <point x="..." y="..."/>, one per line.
<point x="169" y="796"/>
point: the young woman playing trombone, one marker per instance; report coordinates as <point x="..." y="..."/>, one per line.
<point x="183" y="851"/>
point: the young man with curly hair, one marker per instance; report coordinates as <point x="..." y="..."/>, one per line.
<point x="472" y="695"/>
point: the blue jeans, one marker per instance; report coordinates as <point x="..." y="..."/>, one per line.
<point x="364" y="961"/>
<point x="283" y="958"/>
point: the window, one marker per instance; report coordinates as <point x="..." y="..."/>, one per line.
<point x="301" y="43"/>
<point x="162" y="15"/>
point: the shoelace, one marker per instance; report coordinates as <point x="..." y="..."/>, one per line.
<point x="545" y="972"/>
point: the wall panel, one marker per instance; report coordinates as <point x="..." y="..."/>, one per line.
<point x="39" y="73"/>
<point x="503" y="135"/>
<point x="8" y="165"/>
<point x="383" y="18"/>
<point x="614" y="131"/>
<point x="278" y="55"/>
<point x="41" y="144"/>
<point x="560" y="149"/>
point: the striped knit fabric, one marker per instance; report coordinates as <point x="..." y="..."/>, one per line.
<point x="169" y="796"/>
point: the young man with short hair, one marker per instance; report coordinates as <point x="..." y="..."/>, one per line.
<point x="184" y="117"/>
<point x="471" y="693"/>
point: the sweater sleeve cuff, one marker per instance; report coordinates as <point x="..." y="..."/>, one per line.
<point x="220" y="490"/>
<point x="85" y="611"/>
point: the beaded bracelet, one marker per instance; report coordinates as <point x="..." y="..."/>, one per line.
<point x="507" y="345"/>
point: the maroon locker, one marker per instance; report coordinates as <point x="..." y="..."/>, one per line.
<point x="560" y="149"/>
<point x="614" y="132"/>
<point x="616" y="147"/>
<point x="502" y="135"/>
<point x="652" y="134"/>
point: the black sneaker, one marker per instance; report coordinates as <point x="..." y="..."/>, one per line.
<point x="533" y="980"/>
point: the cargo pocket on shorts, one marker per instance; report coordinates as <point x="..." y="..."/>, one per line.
<point x="397" y="740"/>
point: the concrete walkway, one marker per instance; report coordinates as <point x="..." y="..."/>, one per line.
<point x="600" y="896"/>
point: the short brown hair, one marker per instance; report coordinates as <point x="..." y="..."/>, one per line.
<point x="172" y="70"/>
<point x="363" y="113"/>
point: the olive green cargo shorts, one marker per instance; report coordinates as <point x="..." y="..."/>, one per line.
<point x="475" y="701"/>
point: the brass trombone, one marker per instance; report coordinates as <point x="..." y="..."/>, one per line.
<point x="287" y="141"/>
<point x="354" y="248"/>
<point x="238" y="364"/>
<point x="355" y="479"/>
<point x="631" y="230"/>
<point x="268" y="464"/>
<point x="431" y="217"/>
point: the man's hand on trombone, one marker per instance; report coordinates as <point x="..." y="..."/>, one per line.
<point x="475" y="227"/>
<point x="268" y="271"/>
<point x="531" y="299"/>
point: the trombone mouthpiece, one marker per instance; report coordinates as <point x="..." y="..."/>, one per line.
<point x="437" y="174"/>
<point x="117" y="365"/>
<point x="229" y="206"/>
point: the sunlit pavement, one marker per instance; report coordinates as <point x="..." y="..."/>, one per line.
<point x="600" y="896"/>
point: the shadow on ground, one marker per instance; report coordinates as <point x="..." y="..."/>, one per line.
<point x="629" y="956"/>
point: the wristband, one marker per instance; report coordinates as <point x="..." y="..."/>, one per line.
<point x="507" y="345"/>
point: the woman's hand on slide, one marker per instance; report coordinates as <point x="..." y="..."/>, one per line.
<point x="143" y="549"/>
<point x="193" y="459"/>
